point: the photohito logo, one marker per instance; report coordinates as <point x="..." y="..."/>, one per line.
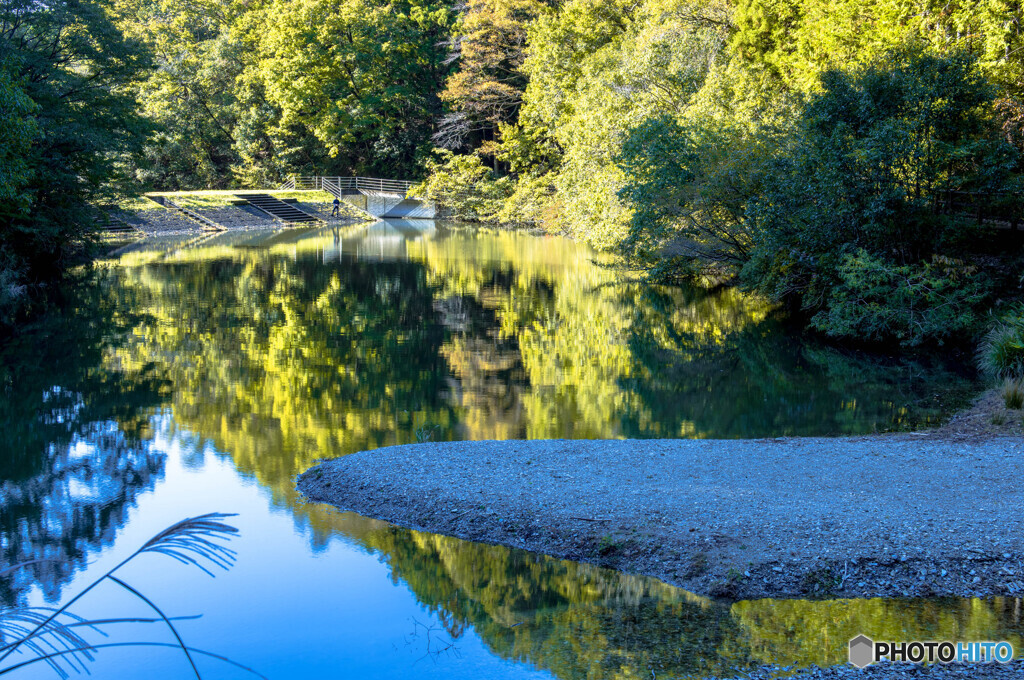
<point x="864" y="651"/>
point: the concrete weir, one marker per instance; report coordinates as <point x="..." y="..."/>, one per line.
<point x="383" y="198"/>
<point x="388" y="205"/>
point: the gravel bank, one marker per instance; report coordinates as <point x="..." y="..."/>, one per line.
<point x="890" y="671"/>
<point x="897" y="515"/>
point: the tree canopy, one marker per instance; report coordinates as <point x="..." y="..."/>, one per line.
<point x="68" y="130"/>
<point x="672" y="131"/>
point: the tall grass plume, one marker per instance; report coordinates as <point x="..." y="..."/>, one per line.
<point x="1013" y="393"/>
<point x="50" y="635"/>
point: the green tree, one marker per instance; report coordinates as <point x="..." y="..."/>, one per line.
<point x="688" y="187"/>
<point x="362" y="78"/>
<point x="599" y="68"/>
<point x="17" y="132"/>
<point x="864" y="190"/>
<point x="191" y="94"/>
<point x="69" y="126"/>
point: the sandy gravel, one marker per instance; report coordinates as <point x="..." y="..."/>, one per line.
<point x="892" y="515"/>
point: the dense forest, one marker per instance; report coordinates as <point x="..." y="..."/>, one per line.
<point x="851" y="159"/>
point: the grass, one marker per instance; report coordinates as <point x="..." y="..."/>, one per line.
<point x="1012" y="392"/>
<point x="138" y="204"/>
<point x="821" y="582"/>
<point x="698" y="565"/>
<point x="220" y="198"/>
<point x="608" y="545"/>
<point x="199" y="199"/>
<point x="312" y="196"/>
<point x="426" y="433"/>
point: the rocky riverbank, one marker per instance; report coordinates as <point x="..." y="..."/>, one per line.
<point x="896" y="515"/>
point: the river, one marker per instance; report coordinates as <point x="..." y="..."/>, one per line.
<point x="188" y="375"/>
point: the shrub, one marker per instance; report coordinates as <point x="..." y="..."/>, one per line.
<point x="465" y="186"/>
<point x="875" y="300"/>
<point x="1001" y="353"/>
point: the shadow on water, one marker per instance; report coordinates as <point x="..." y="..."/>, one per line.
<point x="278" y="351"/>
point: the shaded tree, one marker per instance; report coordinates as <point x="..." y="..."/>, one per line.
<point x="70" y="125"/>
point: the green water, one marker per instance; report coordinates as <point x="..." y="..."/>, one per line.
<point x="186" y="376"/>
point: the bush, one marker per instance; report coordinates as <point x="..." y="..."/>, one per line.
<point x="465" y="186"/>
<point x="1001" y="353"/>
<point x="852" y="225"/>
<point x="875" y="300"/>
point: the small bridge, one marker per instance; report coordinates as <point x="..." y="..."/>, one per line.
<point x="386" y="198"/>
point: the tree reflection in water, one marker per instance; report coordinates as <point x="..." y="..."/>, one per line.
<point x="76" y="454"/>
<point x="74" y="506"/>
<point x="297" y="351"/>
<point x="581" y="621"/>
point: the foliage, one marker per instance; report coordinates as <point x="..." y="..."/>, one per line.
<point x="796" y="40"/>
<point x="50" y="634"/>
<point x="689" y="187"/>
<point x="465" y="186"/>
<point x="763" y="34"/>
<point x="246" y="94"/>
<point x="1001" y="352"/>
<point x="877" y="300"/>
<point x="850" y="219"/>
<point x="362" y="78"/>
<point x="191" y="94"/>
<point x="486" y="90"/>
<point x="597" y="68"/>
<point x="66" y="126"/>
<point x="18" y="130"/>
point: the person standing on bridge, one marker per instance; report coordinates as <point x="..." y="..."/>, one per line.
<point x="337" y="207"/>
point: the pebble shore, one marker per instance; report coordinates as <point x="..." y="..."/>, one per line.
<point x="890" y="515"/>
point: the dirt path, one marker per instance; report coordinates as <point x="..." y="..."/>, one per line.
<point x="888" y="515"/>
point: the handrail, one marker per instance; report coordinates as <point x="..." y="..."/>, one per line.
<point x="330" y="186"/>
<point x="337" y="185"/>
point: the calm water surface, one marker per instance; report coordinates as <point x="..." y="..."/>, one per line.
<point x="204" y="374"/>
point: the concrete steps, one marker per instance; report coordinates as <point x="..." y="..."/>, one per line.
<point x="278" y="208"/>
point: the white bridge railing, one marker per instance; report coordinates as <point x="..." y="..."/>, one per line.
<point x="337" y="185"/>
